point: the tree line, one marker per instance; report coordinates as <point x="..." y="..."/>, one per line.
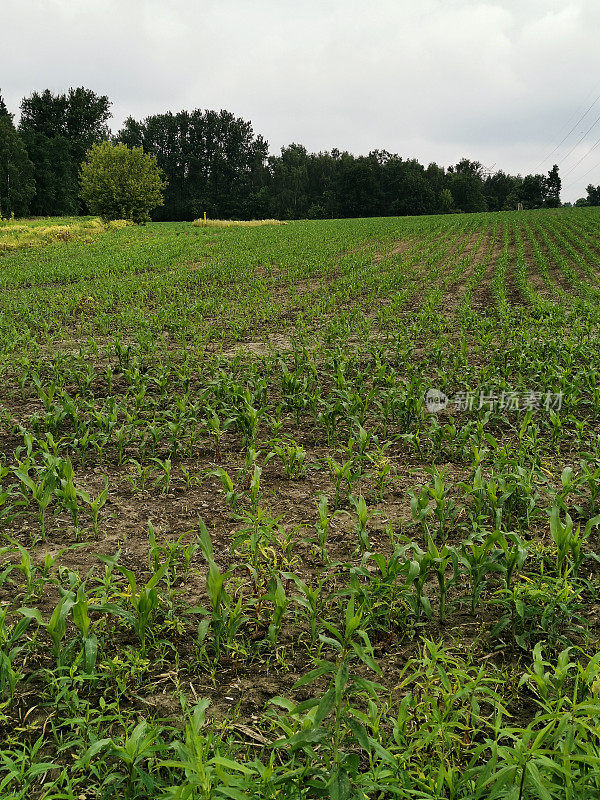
<point x="213" y="162"/>
<point x="592" y="198"/>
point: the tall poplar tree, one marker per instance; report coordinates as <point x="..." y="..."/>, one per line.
<point x="17" y="186"/>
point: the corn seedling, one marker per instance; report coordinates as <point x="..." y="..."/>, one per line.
<point x="95" y="504"/>
<point x="231" y="495"/>
<point x="143" y="602"/>
<point x="292" y="457"/>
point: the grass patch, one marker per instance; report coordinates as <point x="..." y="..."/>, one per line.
<point x="232" y="223"/>
<point x="15" y="235"/>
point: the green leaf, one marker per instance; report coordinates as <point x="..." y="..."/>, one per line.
<point x="282" y="702"/>
<point x="426" y="604"/>
<point x="229" y="764"/>
<point x="24" y="478"/>
<point x="93" y="750"/>
<point x="302" y="738"/>
<point x="520" y="607"/>
<point x="130" y="577"/>
<point x="325" y="706"/>
<point x="339" y="786"/>
<point x="541" y="792"/>
<point x="592" y="524"/>
<point x="118" y="611"/>
<point x="313" y="674"/>
<point x="305" y="705"/>
<point x="158" y="576"/>
<point x="341" y="680"/>
<point x="90" y="647"/>
<point x="359" y="732"/>
<point x="32" y="613"/>
<point x="228" y="791"/>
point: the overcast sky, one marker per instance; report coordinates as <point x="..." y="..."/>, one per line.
<point x="501" y="81"/>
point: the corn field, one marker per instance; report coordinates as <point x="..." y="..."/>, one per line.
<point x="301" y="511"/>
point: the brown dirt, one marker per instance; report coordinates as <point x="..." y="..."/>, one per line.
<point x="534" y="276"/>
<point x="555" y="273"/>
<point x="401" y="246"/>
<point x="482" y="297"/>
<point x="456" y="291"/>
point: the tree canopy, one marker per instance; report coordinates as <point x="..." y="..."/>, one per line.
<point x="214" y="162"/>
<point x="57" y="131"/>
<point x="118" y="182"/>
<point x="17" y="186"/>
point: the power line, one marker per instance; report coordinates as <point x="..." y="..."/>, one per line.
<point x="583" y="157"/>
<point x="562" y="141"/>
<point x="488" y="172"/>
<point x="579" y="141"/>
<point x="581" y="177"/>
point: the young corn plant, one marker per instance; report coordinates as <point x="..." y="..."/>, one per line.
<point x="441" y="560"/>
<point x="444" y="509"/>
<point x="292" y="457"/>
<point x="259" y="542"/>
<point x="515" y="554"/>
<point x="46" y="394"/>
<point x="255" y="488"/>
<point x="121" y="438"/>
<point x="569" y="542"/>
<point x="362" y="520"/>
<point x="106" y="585"/>
<point x="41" y="492"/>
<point x="216" y="431"/>
<point x="246" y="419"/>
<point x="342" y="474"/>
<point x="322" y="527"/>
<point x="56" y="626"/>
<point x="143" y="601"/>
<point x="95" y="504"/>
<point x="231" y="495"/>
<point x="138" y="477"/>
<point x="200" y="771"/>
<point x="82" y="621"/>
<point x="557" y="428"/>
<point x="224" y="619"/>
<point x="310" y="600"/>
<point x="165" y="478"/>
<point x="35" y="579"/>
<point x="419" y="564"/>
<point x="479" y="558"/>
<point x="570" y="484"/>
<point x="68" y="493"/>
<point x="277" y="597"/>
<point x="421" y="510"/>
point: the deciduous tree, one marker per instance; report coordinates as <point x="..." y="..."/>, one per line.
<point x="57" y="131"/>
<point x="17" y="186"/>
<point x="118" y="182"/>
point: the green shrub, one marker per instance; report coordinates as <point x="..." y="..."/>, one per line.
<point x="118" y="182"/>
